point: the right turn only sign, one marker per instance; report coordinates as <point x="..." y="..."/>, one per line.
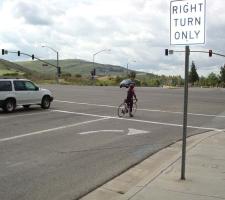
<point x="187" y="22"/>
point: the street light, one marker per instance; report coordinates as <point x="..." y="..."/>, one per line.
<point x="128" y="65"/>
<point x="96" y="54"/>
<point x="57" y="61"/>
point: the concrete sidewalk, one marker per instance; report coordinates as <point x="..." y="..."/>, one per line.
<point x="158" y="177"/>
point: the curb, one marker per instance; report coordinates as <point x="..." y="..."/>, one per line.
<point x="133" y="181"/>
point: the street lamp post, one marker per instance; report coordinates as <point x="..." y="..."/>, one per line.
<point x="96" y="54"/>
<point x="57" y="62"/>
<point x="128" y="66"/>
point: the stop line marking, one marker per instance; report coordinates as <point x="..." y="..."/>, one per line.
<point x="101" y="119"/>
<point x="142" y="109"/>
<point x="138" y="120"/>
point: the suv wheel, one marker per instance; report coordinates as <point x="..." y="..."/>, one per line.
<point x="9" y="105"/>
<point x="46" y="102"/>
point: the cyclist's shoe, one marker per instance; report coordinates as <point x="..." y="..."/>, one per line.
<point x="131" y="115"/>
<point x="123" y="111"/>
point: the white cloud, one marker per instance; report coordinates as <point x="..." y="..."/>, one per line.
<point x="132" y="29"/>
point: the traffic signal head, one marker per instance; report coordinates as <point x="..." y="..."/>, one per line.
<point x="18" y="53"/>
<point x="210" y="53"/>
<point x="32" y="56"/>
<point x="94" y="71"/>
<point x="3" y="51"/>
<point x="59" y="70"/>
<point x="166" y="52"/>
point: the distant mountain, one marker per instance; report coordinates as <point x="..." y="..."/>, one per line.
<point x="7" y="67"/>
<point x="73" y="66"/>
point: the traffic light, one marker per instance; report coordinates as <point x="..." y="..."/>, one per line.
<point x="210" y="53"/>
<point x="3" y="51"/>
<point x="94" y="71"/>
<point x="32" y="56"/>
<point x="58" y="70"/>
<point x="18" y="53"/>
<point x="166" y="52"/>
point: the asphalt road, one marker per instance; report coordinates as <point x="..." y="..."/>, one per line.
<point x="80" y="143"/>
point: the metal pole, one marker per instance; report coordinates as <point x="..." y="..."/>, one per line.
<point x="57" y="62"/>
<point x="96" y="54"/>
<point x="187" y="53"/>
<point x="57" y="67"/>
<point x="93" y="65"/>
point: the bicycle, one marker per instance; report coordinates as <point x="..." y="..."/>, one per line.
<point x="123" y="108"/>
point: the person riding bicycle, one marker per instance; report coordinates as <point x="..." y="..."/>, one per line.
<point x="130" y="95"/>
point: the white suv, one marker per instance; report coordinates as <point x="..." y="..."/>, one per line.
<point x="22" y="92"/>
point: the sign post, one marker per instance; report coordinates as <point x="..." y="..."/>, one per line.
<point x="187" y="27"/>
<point x="187" y="54"/>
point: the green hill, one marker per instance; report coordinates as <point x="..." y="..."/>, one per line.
<point x="77" y="72"/>
<point x="8" y="68"/>
<point x="73" y="66"/>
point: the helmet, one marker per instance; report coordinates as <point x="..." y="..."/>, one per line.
<point x="131" y="85"/>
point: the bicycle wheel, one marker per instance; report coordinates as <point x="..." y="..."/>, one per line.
<point x="134" y="109"/>
<point x="121" y="110"/>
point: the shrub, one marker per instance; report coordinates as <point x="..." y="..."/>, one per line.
<point x="11" y="74"/>
<point x="78" y="75"/>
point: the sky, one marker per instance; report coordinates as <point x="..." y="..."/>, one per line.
<point x="137" y="32"/>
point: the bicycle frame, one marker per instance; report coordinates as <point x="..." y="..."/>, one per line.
<point x="123" y="108"/>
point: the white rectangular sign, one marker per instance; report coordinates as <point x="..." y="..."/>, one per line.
<point x="187" y="22"/>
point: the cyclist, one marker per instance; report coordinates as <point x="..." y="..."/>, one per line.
<point x="130" y="95"/>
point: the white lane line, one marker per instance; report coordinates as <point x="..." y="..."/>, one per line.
<point x="170" y="124"/>
<point x="99" y="131"/>
<point x="143" y="121"/>
<point x="89" y="104"/>
<point x="51" y="130"/>
<point x="197" y="114"/>
<point x="79" y="113"/>
<point x="142" y="109"/>
<point x="24" y="115"/>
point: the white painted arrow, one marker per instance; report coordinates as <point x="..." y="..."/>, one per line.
<point x="89" y="132"/>
<point x="132" y="131"/>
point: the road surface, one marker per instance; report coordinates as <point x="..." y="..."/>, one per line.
<point x="80" y="143"/>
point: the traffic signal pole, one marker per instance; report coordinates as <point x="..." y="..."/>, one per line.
<point x="187" y="54"/>
<point x="209" y="52"/>
<point x="33" y="57"/>
<point x="58" y="68"/>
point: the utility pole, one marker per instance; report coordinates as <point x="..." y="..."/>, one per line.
<point x="93" y="61"/>
<point x="57" y="63"/>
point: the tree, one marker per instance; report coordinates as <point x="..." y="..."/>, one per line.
<point x="193" y="75"/>
<point x="203" y="81"/>
<point x="213" y="80"/>
<point x="222" y="75"/>
<point x="132" y="75"/>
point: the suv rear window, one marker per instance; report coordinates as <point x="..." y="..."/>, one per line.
<point x="19" y="85"/>
<point x="5" y="86"/>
